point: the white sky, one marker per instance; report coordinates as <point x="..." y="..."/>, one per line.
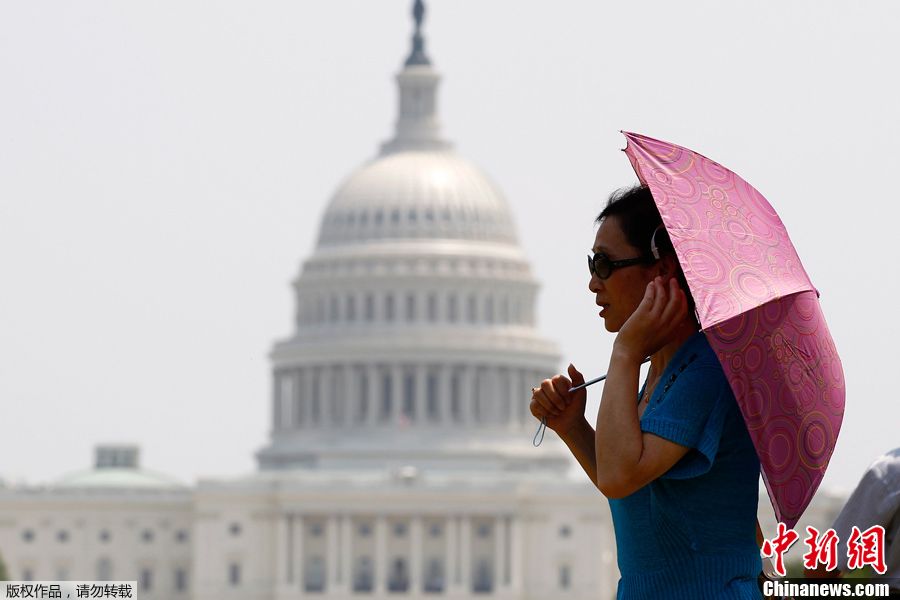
<point x="164" y="166"/>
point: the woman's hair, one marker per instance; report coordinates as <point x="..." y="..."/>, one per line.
<point x="637" y="215"/>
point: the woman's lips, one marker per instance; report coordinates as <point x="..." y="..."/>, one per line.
<point x="603" y="308"/>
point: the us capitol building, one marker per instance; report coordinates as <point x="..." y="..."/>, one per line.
<point x="400" y="460"/>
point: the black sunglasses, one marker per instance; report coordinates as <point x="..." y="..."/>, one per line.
<point x="601" y="266"/>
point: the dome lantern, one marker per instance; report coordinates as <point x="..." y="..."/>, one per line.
<point x="418" y="127"/>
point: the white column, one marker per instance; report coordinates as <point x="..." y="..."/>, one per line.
<point x="331" y="549"/>
<point x="451" y="559"/>
<point x="415" y="562"/>
<point x="380" y="554"/>
<point x="445" y="374"/>
<point x="465" y="555"/>
<point x="351" y="395"/>
<point x="346" y="568"/>
<point x="296" y="403"/>
<point x="532" y="379"/>
<point x="421" y="392"/>
<point x="515" y="398"/>
<point x="281" y="550"/>
<point x="517" y="556"/>
<point x="499" y="553"/>
<point x="326" y="395"/>
<point x="342" y="396"/>
<point x="491" y="403"/>
<point x="396" y="394"/>
<point x="476" y="396"/>
<point x="276" y="402"/>
<point x="299" y="565"/>
<point x="307" y="391"/>
<point x="373" y="394"/>
<point x="466" y="394"/>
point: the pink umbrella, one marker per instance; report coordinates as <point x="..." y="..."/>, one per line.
<point x="759" y="311"/>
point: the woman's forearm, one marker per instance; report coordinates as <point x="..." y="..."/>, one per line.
<point x="618" y="442"/>
<point x="580" y="440"/>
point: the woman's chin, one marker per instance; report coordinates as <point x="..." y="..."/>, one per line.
<point x="609" y="325"/>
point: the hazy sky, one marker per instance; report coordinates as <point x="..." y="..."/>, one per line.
<point x="164" y="167"/>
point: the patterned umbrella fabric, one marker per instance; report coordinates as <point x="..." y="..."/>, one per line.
<point x="759" y="311"/>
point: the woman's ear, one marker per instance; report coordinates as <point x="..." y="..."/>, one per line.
<point x="667" y="266"/>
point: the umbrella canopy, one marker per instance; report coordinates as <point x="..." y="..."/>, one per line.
<point x="759" y="311"/>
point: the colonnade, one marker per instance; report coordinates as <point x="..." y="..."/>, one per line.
<point x="321" y="309"/>
<point x="380" y="395"/>
<point x="296" y="550"/>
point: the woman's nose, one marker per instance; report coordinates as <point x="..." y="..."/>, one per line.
<point x="595" y="284"/>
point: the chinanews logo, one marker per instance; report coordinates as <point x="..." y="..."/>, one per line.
<point x="864" y="548"/>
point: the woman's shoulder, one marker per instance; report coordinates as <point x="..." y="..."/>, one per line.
<point x="694" y="354"/>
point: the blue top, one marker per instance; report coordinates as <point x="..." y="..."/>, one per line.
<point x="691" y="533"/>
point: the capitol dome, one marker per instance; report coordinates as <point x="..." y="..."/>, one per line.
<point x="415" y="341"/>
<point x="417" y="194"/>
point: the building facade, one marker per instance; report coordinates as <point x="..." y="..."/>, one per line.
<point x="400" y="460"/>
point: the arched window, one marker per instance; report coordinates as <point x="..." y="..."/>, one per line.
<point x="398" y="578"/>
<point x="351" y="308"/>
<point x="333" y="309"/>
<point x="297" y="412"/>
<point x="409" y="396"/>
<point x="104" y="569"/>
<point x="316" y="404"/>
<point x="565" y="577"/>
<point x="363" y="578"/>
<point x="483" y="581"/>
<point x="410" y="307"/>
<point x="180" y="579"/>
<point x="451" y="308"/>
<point x="335" y="384"/>
<point x="314" y="577"/>
<point x="362" y="412"/>
<point x="455" y="400"/>
<point x="431" y="397"/>
<point x="478" y="412"/>
<point x="370" y="308"/>
<point x="234" y="574"/>
<point x="146" y="580"/>
<point x="320" y="310"/>
<point x="386" y="384"/>
<point x="432" y="307"/>
<point x="472" y="309"/>
<point x="389" y="307"/>
<point x="434" y="576"/>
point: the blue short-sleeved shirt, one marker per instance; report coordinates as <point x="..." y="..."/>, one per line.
<point x="692" y="532"/>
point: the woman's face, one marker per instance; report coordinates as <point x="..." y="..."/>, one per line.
<point x="620" y="293"/>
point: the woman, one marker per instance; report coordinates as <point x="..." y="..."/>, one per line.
<point x="674" y="457"/>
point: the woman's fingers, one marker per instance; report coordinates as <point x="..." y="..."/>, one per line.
<point x="676" y="305"/>
<point x="575" y="374"/>
<point x="562" y="386"/>
<point x="542" y="403"/>
<point x="552" y="395"/>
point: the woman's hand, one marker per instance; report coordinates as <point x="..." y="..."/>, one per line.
<point x="551" y="399"/>
<point x="651" y="325"/>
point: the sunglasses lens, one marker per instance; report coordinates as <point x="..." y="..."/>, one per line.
<point x="599" y="266"/>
